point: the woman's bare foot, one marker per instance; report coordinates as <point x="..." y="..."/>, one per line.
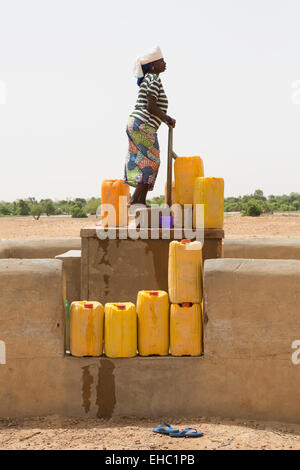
<point x="139" y="204"/>
<point x="130" y="202"/>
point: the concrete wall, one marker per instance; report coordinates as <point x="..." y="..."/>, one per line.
<point x="256" y="248"/>
<point x="32" y="318"/>
<point x="72" y="267"/>
<point x="37" y="247"/>
<point x="252" y="317"/>
<point x="262" y="248"/>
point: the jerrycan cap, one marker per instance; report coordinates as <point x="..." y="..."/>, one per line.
<point x="153" y="292"/>
<point x="186" y="240"/>
<point x="87" y="305"/>
<point x="121" y="306"/>
<point x="186" y="304"/>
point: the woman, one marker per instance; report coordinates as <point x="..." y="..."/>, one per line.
<point x="142" y="162"/>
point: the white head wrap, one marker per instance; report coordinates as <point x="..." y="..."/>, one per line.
<point x="154" y="54"/>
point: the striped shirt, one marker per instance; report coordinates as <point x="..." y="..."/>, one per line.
<point x="150" y="85"/>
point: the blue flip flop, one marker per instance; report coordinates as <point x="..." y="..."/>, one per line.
<point x="187" y="433"/>
<point x="165" y="428"/>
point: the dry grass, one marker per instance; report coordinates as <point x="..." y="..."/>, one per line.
<point x="55" y="432"/>
<point x="234" y="225"/>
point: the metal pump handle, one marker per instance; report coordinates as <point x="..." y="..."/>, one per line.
<point x="171" y="155"/>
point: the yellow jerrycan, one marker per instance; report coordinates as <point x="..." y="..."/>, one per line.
<point x="116" y="194"/>
<point x="153" y="322"/>
<point x="210" y="192"/>
<point x="185" y="271"/>
<point x="186" y="170"/>
<point x="86" y="328"/>
<point x="120" y="330"/>
<point x="186" y="329"/>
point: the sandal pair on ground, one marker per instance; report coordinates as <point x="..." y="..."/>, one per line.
<point x="166" y="428"/>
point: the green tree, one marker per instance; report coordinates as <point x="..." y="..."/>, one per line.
<point x="294" y="197"/>
<point x="6" y="209"/>
<point x="23" y="207"/>
<point x="62" y="207"/>
<point x="273" y="206"/>
<point x="36" y="211"/>
<point x="92" y="205"/>
<point x="15" y="208"/>
<point x="80" y="202"/>
<point x="258" y="194"/>
<point x="48" y="206"/>
<point x="158" y="200"/>
<point x="296" y="205"/>
<point x="31" y="201"/>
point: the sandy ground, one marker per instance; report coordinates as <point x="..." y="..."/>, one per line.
<point x="234" y="225"/>
<point x="54" y="432"/>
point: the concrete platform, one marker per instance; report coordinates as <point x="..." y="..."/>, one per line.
<point x="116" y="269"/>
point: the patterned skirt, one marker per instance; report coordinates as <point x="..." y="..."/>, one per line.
<point x="142" y="162"/>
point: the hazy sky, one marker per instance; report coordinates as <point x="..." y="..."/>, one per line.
<point x="66" y="91"/>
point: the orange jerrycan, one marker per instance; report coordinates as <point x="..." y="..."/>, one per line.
<point x="185" y="271"/>
<point x="114" y="193"/>
<point x="120" y="330"/>
<point x="153" y="322"/>
<point x="186" y="169"/>
<point x="86" y="329"/>
<point x="209" y="191"/>
<point x="186" y="329"/>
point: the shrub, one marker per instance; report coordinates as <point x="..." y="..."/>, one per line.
<point x="77" y="212"/>
<point x="284" y="208"/>
<point x="232" y="206"/>
<point x="253" y="209"/>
